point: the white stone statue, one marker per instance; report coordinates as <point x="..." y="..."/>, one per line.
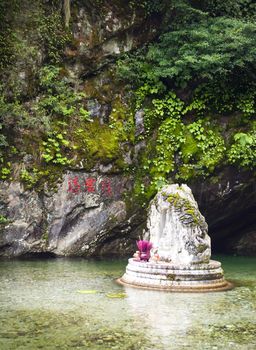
<point x="176" y="227"/>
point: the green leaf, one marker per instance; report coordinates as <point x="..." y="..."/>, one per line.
<point x="243" y="138"/>
<point x="65" y="142"/>
<point x="116" y="295"/>
<point x="59" y="136"/>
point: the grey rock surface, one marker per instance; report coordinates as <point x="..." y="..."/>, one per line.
<point x="24" y="210"/>
<point x="85" y="213"/>
<point x="139" y="122"/>
<point x="176" y="227"/>
<point x="103" y="31"/>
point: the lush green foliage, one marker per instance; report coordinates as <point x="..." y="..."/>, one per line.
<point x="54" y="148"/>
<point x="232" y="8"/>
<point x="223" y="97"/>
<point x="52" y="36"/>
<point x="5" y="171"/>
<point x="208" y="55"/>
<point x="190" y="142"/>
<point x="58" y="130"/>
<point x="8" y="38"/>
<point x="198" y="73"/>
<point x="217" y="49"/>
<point x="57" y="99"/>
<point x="169" y="105"/>
<point x="46" y="28"/>
<point x="185" y="150"/>
<point x="149" y="7"/>
<point x="206" y="41"/>
<point x="243" y="150"/>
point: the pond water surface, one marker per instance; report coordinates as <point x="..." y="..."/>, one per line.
<point x="76" y="304"/>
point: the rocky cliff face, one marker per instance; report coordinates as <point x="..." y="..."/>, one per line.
<point x="104" y="30"/>
<point x="229" y="207"/>
<point x="86" y="215"/>
<point x="92" y="209"/>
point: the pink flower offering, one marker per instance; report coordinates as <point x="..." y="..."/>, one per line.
<point x="144" y="248"/>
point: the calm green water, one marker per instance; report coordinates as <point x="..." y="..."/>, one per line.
<point x="76" y="304"/>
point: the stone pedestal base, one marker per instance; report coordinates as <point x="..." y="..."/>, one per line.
<point x="169" y="277"/>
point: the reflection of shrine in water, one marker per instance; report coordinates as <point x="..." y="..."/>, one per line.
<point x="171" y="316"/>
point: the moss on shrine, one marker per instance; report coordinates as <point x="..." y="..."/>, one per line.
<point x="183" y="205"/>
<point x="171" y="277"/>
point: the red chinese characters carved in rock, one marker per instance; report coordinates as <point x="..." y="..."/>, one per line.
<point x="73" y="185"/>
<point x="88" y="185"/>
<point x="106" y="187"/>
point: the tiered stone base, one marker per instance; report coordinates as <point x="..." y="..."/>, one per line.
<point x="169" y="277"/>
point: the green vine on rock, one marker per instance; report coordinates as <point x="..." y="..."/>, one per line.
<point x="54" y="148"/>
<point x="243" y="150"/>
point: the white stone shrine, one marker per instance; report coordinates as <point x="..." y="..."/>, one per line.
<point x="180" y="257"/>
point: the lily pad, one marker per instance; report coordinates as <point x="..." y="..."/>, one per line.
<point x="87" y="291"/>
<point x="116" y="295"/>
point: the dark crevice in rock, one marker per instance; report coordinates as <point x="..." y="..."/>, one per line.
<point x="121" y="241"/>
<point x="229" y="207"/>
<point x="4" y="249"/>
<point x="44" y="224"/>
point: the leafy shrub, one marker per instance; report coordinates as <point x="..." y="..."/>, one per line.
<point x="169" y="105"/>
<point x="58" y="98"/>
<point x="182" y="149"/>
<point x="243" y="150"/>
<point x="3" y="220"/>
<point x="210" y="50"/>
<point x="5" y="171"/>
<point x="230" y="8"/>
<point x="54" y="148"/>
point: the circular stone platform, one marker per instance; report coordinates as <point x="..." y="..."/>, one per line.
<point x="170" y="277"/>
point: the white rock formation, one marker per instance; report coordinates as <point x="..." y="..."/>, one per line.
<point x="177" y="228"/>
